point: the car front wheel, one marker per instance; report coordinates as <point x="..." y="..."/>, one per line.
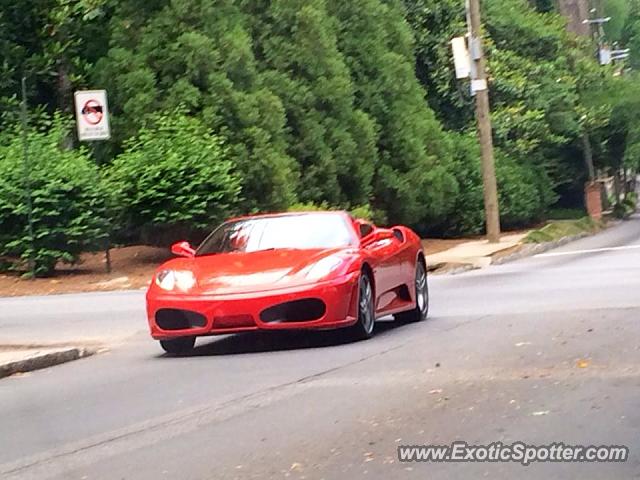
<point x="178" y="346"/>
<point x="363" y="328"/>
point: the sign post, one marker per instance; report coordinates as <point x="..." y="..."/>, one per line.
<point x="92" y="119"/>
<point x="27" y="176"/>
<point x="92" y="115"/>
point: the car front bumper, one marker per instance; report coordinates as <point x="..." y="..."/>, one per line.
<point x="233" y="313"/>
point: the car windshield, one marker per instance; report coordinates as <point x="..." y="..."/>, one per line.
<point x="307" y="231"/>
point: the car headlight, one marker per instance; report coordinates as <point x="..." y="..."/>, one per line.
<point x="323" y="267"/>
<point x="170" y="279"/>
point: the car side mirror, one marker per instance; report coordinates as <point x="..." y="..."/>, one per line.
<point x="183" y="249"/>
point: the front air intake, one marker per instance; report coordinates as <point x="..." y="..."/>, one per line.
<point x="174" y="319"/>
<point x="306" y="310"/>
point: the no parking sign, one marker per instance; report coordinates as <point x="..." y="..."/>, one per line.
<point x="92" y="115"/>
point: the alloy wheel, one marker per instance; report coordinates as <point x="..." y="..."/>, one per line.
<point x="367" y="316"/>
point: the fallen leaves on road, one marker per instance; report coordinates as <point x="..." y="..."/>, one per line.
<point x="295" y="466"/>
<point x="583" y="363"/>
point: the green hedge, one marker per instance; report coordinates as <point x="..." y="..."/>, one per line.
<point x="69" y="199"/>
<point x="524" y="190"/>
<point x="173" y="178"/>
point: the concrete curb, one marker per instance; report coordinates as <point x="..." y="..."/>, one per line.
<point x="454" y="269"/>
<point x="531" y="249"/>
<point x="44" y="360"/>
<point x="525" y="250"/>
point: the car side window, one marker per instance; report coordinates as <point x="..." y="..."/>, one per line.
<point x="398" y="234"/>
<point x="365" y="229"/>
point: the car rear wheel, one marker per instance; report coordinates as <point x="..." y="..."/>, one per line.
<point x="363" y="328"/>
<point x="178" y="346"/>
<point x="421" y="310"/>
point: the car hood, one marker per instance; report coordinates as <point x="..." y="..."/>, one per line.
<point x="239" y="272"/>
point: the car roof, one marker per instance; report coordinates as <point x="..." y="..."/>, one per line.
<point x="291" y="214"/>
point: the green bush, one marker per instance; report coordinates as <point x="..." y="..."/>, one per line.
<point x="524" y="190"/>
<point x="68" y="196"/>
<point x="173" y="179"/>
<point x="467" y="217"/>
<point x="619" y="210"/>
<point x="560" y="213"/>
<point x="363" y="211"/>
<point x="559" y="229"/>
<point x="630" y="202"/>
<point x="309" y="207"/>
<point x="625" y="208"/>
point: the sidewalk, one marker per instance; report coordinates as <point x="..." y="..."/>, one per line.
<point x="475" y="253"/>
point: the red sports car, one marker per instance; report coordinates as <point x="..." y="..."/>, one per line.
<point x="315" y="270"/>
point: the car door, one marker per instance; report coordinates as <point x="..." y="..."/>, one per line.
<point x="382" y="247"/>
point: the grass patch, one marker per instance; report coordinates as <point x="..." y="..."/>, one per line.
<point x="566" y="214"/>
<point x="558" y="229"/>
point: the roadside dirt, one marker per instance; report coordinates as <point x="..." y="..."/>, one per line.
<point x="132" y="268"/>
<point x="437" y="245"/>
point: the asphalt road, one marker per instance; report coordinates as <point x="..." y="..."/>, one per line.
<point x="78" y="318"/>
<point x="540" y="350"/>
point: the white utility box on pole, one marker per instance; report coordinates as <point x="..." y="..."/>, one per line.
<point x="461" y="57"/>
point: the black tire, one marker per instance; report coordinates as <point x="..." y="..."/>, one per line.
<point x="178" y="346"/>
<point x="364" y="327"/>
<point x="421" y="286"/>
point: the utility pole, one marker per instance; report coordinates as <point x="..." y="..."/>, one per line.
<point x="595" y="28"/>
<point x="483" y="115"/>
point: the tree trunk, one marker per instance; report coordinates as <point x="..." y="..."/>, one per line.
<point x="616" y="185"/>
<point x="64" y="87"/>
<point x="588" y="156"/>
<point x="65" y="97"/>
<point x="576" y="12"/>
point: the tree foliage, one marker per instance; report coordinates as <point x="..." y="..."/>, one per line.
<point x="544" y="88"/>
<point x="311" y="109"/>
<point x="197" y="53"/>
<point x="70" y="206"/>
<point x="412" y="183"/>
<point x="173" y="178"/>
